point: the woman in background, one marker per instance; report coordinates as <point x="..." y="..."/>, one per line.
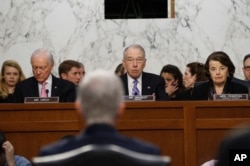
<point x="194" y="74"/>
<point x="173" y="80"/>
<point x="11" y="74"/>
<point x="120" y="70"/>
<point x="220" y="70"/>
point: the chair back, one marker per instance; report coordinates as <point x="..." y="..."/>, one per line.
<point x="95" y="155"/>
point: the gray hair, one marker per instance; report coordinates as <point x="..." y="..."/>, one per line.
<point x="134" y="46"/>
<point x="100" y="95"/>
<point x="43" y="51"/>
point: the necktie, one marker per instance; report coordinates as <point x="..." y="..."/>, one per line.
<point x="135" y="90"/>
<point x="43" y="90"/>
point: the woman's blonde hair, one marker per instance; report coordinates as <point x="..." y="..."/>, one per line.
<point x="3" y="87"/>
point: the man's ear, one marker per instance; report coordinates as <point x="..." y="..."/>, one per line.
<point x="64" y="76"/>
<point x="124" y="65"/>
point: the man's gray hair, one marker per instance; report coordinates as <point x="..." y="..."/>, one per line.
<point x="138" y="46"/>
<point x="100" y="95"/>
<point x="43" y="51"/>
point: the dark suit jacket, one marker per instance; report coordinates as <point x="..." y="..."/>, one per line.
<point x="151" y="83"/>
<point x="8" y="99"/>
<point x="64" y="89"/>
<point x="184" y="95"/>
<point x="99" y="134"/>
<point x="236" y="142"/>
<point x="201" y="92"/>
<point x="242" y="82"/>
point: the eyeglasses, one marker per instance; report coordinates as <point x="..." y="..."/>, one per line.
<point x="247" y="68"/>
<point x="137" y="60"/>
<point x="220" y="69"/>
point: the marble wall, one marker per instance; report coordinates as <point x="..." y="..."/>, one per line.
<point x="76" y="29"/>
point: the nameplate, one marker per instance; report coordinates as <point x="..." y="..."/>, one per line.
<point x="139" y="98"/>
<point x="41" y="100"/>
<point x="230" y="97"/>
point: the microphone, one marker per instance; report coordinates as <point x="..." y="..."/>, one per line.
<point x="47" y="92"/>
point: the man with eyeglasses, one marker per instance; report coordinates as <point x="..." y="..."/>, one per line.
<point x="246" y="67"/>
<point x="135" y="81"/>
<point x="44" y="83"/>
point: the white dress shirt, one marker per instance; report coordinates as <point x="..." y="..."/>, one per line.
<point x="131" y="84"/>
<point x="48" y="86"/>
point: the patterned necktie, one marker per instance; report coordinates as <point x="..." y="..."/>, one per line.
<point x="135" y="90"/>
<point x="43" y="90"/>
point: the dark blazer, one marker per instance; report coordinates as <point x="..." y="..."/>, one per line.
<point x="64" y="89"/>
<point x="201" y="92"/>
<point x="187" y="93"/>
<point x="151" y="83"/>
<point x="242" y="82"/>
<point x="99" y="134"/>
<point x="184" y="95"/>
<point x="8" y="99"/>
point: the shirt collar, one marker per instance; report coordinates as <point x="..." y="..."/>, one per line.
<point x="130" y="79"/>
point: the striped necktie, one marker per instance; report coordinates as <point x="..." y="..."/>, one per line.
<point x="135" y="90"/>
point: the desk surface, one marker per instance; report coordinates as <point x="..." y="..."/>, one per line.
<point x="188" y="131"/>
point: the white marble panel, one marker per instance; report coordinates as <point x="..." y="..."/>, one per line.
<point x="76" y="29"/>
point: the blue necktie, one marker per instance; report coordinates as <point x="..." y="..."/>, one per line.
<point x="135" y="90"/>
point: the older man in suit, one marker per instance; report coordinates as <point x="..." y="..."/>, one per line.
<point x="135" y="81"/>
<point x="44" y="83"/>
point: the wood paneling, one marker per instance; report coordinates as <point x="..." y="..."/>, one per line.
<point x="189" y="132"/>
<point x="172" y="9"/>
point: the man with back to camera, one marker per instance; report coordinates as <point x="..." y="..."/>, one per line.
<point x="70" y="70"/>
<point x="134" y="62"/>
<point x="44" y="83"/>
<point x="100" y="101"/>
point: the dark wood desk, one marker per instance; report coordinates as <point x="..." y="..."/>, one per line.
<point x="189" y="131"/>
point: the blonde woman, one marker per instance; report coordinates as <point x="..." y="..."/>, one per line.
<point x="11" y="74"/>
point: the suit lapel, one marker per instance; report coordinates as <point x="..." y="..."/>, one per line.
<point x="35" y="91"/>
<point x="125" y="81"/>
<point x="146" y="84"/>
<point x="143" y="85"/>
<point x="55" y="86"/>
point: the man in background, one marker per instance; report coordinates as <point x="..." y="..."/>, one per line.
<point x="82" y="71"/>
<point x="100" y="101"/>
<point x="44" y="83"/>
<point x="71" y="70"/>
<point x="246" y="72"/>
<point x="246" y="67"/>
<point x="135" y="81"/>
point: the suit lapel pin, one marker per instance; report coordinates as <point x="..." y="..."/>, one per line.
<point x="149" y="87"/>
